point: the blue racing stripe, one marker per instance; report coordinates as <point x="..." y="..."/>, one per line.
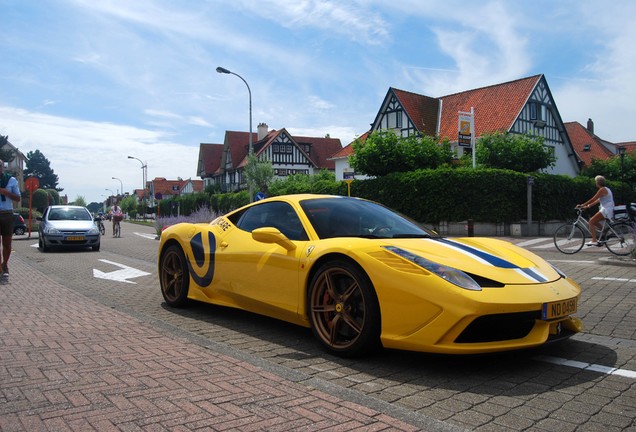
<point x="491" y="259"/>
<point x="536" y="276"/>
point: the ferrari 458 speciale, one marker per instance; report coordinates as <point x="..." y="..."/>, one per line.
<point x="362" y="277"/>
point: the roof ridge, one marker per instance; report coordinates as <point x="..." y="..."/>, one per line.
<point x="537" y="77"/>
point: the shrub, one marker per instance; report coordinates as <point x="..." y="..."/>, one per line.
<point x="202" y="215"/>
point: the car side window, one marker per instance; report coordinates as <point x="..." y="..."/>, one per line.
<point x="278" y="215"/>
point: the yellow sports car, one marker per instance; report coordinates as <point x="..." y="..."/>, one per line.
<point x="362" y="277"/>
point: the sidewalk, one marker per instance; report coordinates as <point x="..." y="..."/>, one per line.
<point x="69" y="363"/>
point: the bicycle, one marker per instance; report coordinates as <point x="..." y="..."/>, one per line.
<point x="617" y="236"/>
<point x="100" y="225"/>
<point x="117" y="226"/>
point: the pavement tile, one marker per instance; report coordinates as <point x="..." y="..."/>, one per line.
<point x="70" y="363"/>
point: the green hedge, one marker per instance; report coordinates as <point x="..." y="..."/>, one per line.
<point x="484" y="195"/>
<point x="449" y="194"/>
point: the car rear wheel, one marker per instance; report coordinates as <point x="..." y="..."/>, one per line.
<point x="174" y="277"/>
<point x="343" y="309"/>
<point x="18" y="231"/>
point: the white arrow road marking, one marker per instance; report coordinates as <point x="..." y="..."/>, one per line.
<point x="146" y="235"/>
<point x="121" y="275"/>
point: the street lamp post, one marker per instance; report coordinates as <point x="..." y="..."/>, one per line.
<point x="249" y="91"/>
<point x="621" y="152"/>
<point x="121" y="185"/>
<point x="144" y="174"/>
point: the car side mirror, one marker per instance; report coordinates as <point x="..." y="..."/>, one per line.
<point x="272" y="235"/>
<point x="39" y="218"/>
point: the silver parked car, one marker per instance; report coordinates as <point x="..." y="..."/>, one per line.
<point x="68" y="226"/>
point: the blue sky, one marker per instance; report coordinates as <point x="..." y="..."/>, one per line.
<point x="90" y="82"/>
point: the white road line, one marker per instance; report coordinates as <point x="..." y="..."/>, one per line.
<point x="572" y="261"/>
<point x="531" y="242"/>
<point x="614" y="279"/>
<point x="146" y="235"/>
<point x="588" y="366"/>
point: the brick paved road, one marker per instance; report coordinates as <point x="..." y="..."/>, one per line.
<point x="583" y="384"/>
<point x="69" y="363"/>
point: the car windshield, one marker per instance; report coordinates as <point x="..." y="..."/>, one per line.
<point x="353" y="217"/>
<point x="67" y="213"/>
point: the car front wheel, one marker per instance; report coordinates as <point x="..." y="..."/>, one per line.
<point x="343" y="309"/>
<point x="174" y="277"/>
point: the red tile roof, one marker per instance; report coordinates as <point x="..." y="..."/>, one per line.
<point x="168" y="187"/>
<point x="209" y="159"/>
<point x="321" y="148"/>
<point x="347" y="150"/>
<point x="496" y="107"/>
<point x="421" y="109"/>
<point x="586" y="145"/>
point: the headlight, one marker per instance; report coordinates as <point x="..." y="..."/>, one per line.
<point x="93" y="231"/>
<point x="51" y="230"/>
<point x="450" y="274"/>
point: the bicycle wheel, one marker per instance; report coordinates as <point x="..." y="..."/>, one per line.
<point x="569" y="238"/>
<point x="102" y="229"/>
<point x="620" y="239"/>
<point x="117" y="230"/>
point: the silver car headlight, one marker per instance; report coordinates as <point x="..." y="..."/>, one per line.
<point x="51" y="230"/>
<point x="93" y="231"/>
<point x="450" y="274"/>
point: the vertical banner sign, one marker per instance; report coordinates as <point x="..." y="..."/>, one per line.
<point x="466" y="130"/>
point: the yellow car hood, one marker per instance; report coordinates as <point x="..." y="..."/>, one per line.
<point x="490" y="258"/>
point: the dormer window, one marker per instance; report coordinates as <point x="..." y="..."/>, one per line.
<point x="587" y="147"/>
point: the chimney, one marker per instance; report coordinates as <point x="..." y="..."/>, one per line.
<point x="262" y="129"/>
<point x="590" y="126"/>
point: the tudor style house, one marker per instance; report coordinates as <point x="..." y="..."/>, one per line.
<point x="223" y="164"/>
<point x="520" y="106"/>
<point x="589" y="146"/>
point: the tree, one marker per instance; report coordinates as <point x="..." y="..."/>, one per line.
<point x="258" y="174"/>
<point x="384" y="153"/>
<point x="39" y="166"/>
<point x="129" y="205"/>
<point x="523" y="153"/>
<point x="80" y="201"/>
<point x="7" y="155"/>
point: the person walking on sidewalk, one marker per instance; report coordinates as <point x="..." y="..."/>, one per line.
<point x="605" y="199"/>
<point x="9" y="192"/>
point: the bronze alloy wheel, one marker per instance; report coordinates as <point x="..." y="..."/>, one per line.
<point x="343" y="309"/>
<point x="174" y="277"/>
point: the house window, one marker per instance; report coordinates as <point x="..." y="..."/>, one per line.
<point x="275" y="148"/>
<point x="288" y="148"/>
<point x="398" y="119"/>
<point x="533" y="111"/>
<point x="587" y="147"/>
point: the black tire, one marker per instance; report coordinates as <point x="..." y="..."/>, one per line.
<point x="102" y="229"/>
<point x="621" y="243"/>
<point x="174" y="277"/>
<point x="569" y="239"/>
<point x="42" y="246"/>
<point x="96" y="247"/>
<point x="343" y="309"/>
<point x="18" y="231"/>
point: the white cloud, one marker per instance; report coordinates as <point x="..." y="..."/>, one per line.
<point x="86" y="155"/>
